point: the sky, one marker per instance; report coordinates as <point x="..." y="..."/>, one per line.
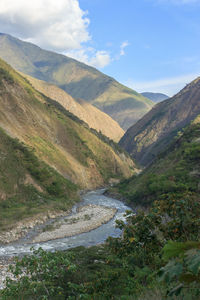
<point x="148" y="45"/>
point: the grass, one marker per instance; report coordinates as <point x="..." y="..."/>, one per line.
<point x="19" y="199"/>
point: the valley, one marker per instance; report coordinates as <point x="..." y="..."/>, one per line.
<point x="87" y="210"/>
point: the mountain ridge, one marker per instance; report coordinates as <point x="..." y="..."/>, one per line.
<point x="94" y="117"/>
<point x="151" y="134"/>
<point x="79" y="80"/>
<point x="155" y="97"/>
<point x="58" y="137"/>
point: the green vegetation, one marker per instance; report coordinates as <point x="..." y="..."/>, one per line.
<point x="175" y="173"/>
<point x="183" y="267"/>
<point x="93" y="273"/>
<point x="28" y="185"/>
<point x="4" y="75"/>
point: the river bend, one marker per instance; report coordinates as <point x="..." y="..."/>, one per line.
<point x="94" y="237"/>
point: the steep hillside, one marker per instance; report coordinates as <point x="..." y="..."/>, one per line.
<point x="79" y="80"/>
<point x="94" y="117"/>
<point x="152" y="133"/>
<point x="28" y="186"/>
<point x="59" y="138"/>
<point x="174" y="174"/>
<point x="155" y="97"/>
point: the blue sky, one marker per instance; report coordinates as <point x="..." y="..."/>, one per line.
<point x="149" y="45"/>
<point x="164" y="41"/>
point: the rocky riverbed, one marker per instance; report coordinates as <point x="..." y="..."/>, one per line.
<point x="23" y="227"/>
<point x="89" y="223"/>
<point x="87" y="218"/>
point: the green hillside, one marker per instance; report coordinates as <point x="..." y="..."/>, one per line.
<point x="28" y="186"/>
<point x="79" y="80"/>
<point x="174" y="173"/>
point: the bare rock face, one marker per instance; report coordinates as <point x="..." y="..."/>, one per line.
<point x="150" y="135"/>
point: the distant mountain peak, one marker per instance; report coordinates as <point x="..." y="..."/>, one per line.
<point x="155" y="97"/>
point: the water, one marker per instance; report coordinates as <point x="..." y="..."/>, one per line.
<point x="93" y="237"/>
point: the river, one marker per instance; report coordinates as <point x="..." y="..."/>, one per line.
<point x="94" y="237"/>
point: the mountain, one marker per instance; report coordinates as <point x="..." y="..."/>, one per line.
<point x="123" y="104"/>
<point x="58" y="138"/>
<point x="155" y="97"/>
<point x="152" y="133"/>
<point x="28" y="186"/>
<point x="174" y="173"/>
<point x="91" y="115"/>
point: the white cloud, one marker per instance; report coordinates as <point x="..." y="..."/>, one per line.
<point x="169" y="86"/>
<point x="92" y="57"/>
<point x="58" y="25"/>
<point x="53" y="24"/>
<point x="96" y="58"/>
<point x="122" y="48"/>
<point x="80" y="54"/>
<point x="101" y="59"/>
